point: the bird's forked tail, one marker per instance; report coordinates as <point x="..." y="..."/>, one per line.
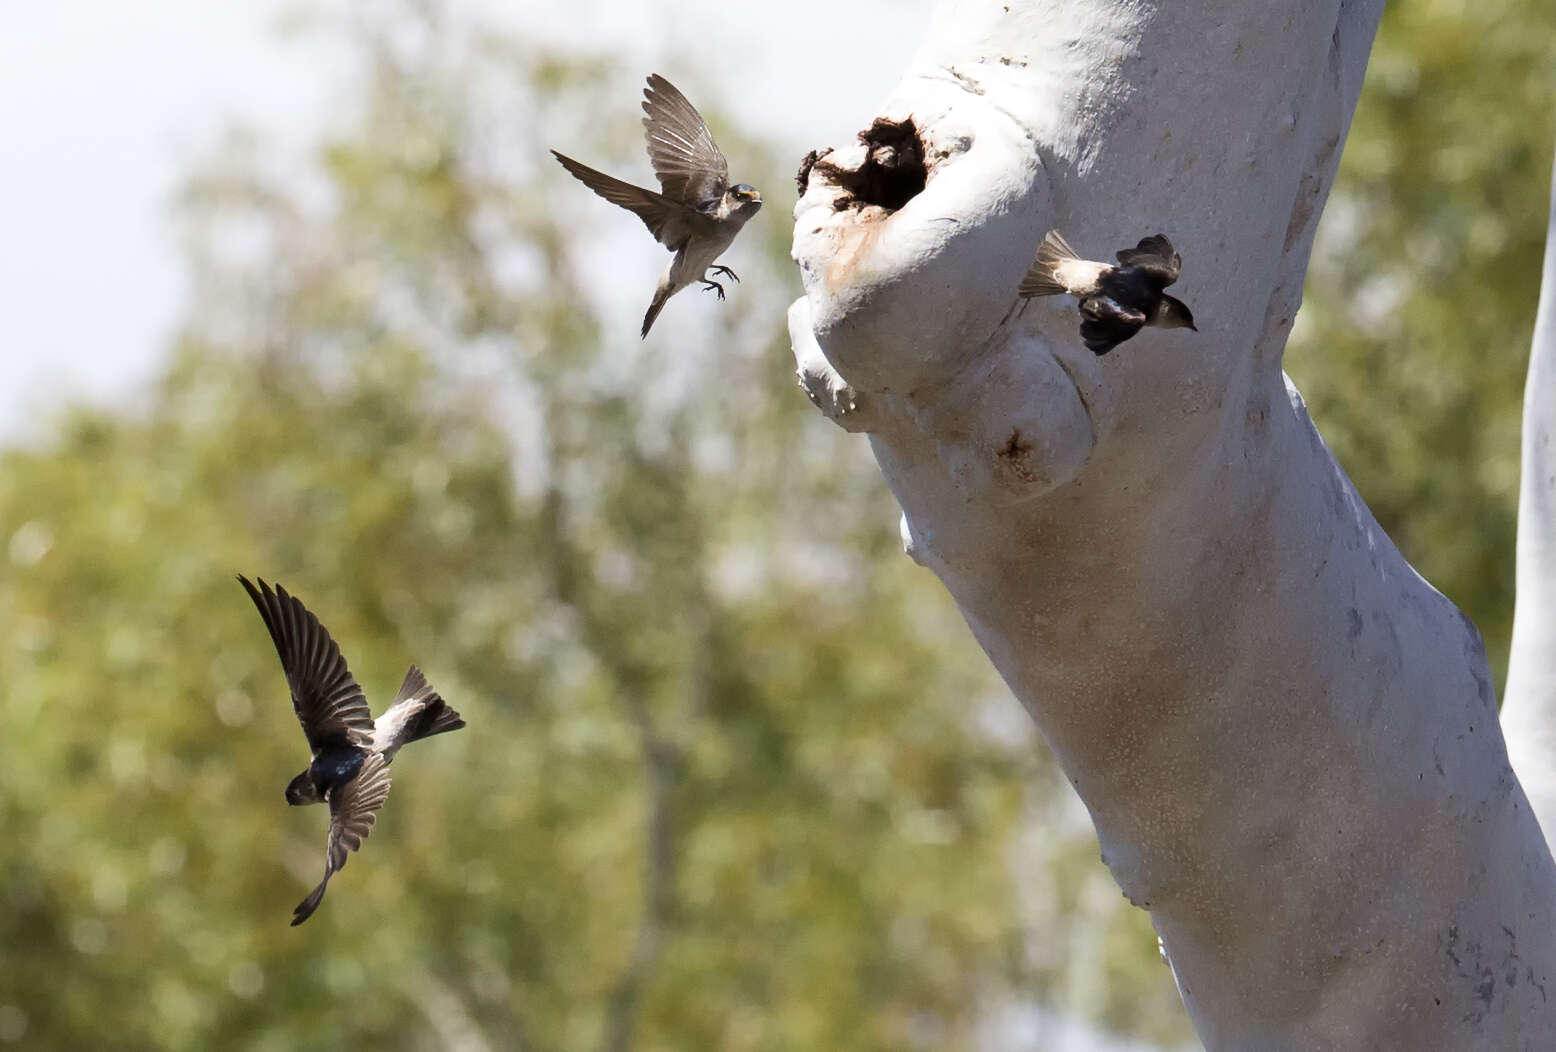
<point x="1040" y="279"/>
<point x="436" y="716"/>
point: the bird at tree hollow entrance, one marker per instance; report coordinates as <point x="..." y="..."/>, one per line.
<point x="351" y="750"/>
<point x="697" y="213"/>
<point x="1115" y="301"/>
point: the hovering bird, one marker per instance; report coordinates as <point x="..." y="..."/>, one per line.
<point x="351" y="750"/>
<point x="1115" y="301"/>
<point x="697" y="213"/>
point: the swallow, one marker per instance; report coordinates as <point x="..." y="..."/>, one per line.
<point x="351" y="750"/>
<point x="1115" y="301"/>
<point x="696" y="213"/>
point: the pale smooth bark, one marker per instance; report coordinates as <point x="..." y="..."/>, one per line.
<point x="1529" y="705"/>
<point x="1287" y="740"/>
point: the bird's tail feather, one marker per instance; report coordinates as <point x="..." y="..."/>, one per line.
<point x="1040" y="280"/>
<point x="436" y="716"/>
<point x="661" y="294"/>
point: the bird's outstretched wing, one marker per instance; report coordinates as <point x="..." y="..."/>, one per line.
<point x="1105" y="323"/>
<point x="690" y="167"/>
<point x="328" y="702"/>
<point x="1156" y="257"/>
<point x="670" y="222"/>
<point x="353" y="810"/>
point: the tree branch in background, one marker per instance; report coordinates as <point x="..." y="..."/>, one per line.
<point x="659" y="765"/>
<point x="660" y="759"/>
<point x="447" y="1016"/>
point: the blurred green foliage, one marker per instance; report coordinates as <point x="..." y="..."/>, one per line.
<point x="1413" y="342"/>
<point x="735" y="774"/>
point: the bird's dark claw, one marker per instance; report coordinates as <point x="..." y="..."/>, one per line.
<point x="706" y="285"/>
<point x="730" y="274"/>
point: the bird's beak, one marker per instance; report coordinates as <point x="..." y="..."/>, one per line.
<point x="1193" y="327"/>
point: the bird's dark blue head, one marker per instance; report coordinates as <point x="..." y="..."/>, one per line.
<point x="1173" y="314"/>
<point x="301" y="790"/>
<point x="745" y="198"/>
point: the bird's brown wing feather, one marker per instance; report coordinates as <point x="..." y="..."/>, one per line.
<point x="1156" y="256"/>
<point x="689" y="164"/>
<point x="1106" y="323"/>
<point x="353" y="810"/>
<point x="328" y="702"/>
<point x="671" y="223"/>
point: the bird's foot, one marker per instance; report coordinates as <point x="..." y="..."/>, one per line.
<point x="730" y="274"/>
<point x="706" y="285"/>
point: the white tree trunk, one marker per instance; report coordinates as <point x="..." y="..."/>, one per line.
<point x="1529" y="706"/>
<point x="1287" y="740"/>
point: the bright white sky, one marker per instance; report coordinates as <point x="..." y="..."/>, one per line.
<point x="104" y="105"/>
